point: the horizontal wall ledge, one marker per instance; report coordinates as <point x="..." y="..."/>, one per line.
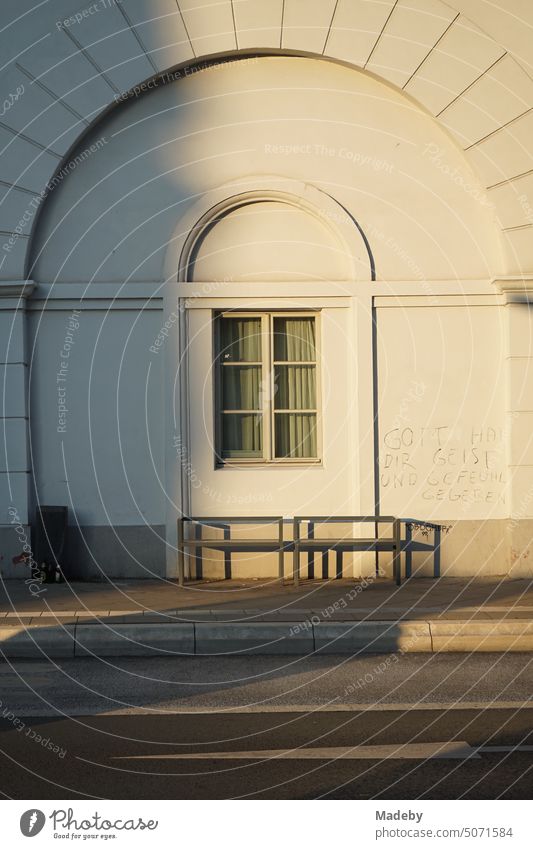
<point x="515" y="284"/>
<point x="434" y="300"/>
<point x="335" y="288"/>
<point x="151" y="294"/>
<point x="144" y="289"/>
<point x="95" y="305"/>
<point x="16" y="288"/>
<point x="269" y="302"/>
<point x="88" y="291"/>
<point x="280" y="289"/>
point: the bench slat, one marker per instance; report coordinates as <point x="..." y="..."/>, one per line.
<point x="235" y="545"/>
<point x="305" y="544"/>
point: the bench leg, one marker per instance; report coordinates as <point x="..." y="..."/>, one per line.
<point x="310" y="554"/>
<point x="198" y="554"/>
<point x="396" y="568"/>
<point x="227" y="557"/>
<point x="397" y="556"/>
<point x="296" y="566"/>
<point x="181" y="554"/>
<point x="296" y="553"/>
<point x="436" y="554"/>
<point x="408" y="552"/>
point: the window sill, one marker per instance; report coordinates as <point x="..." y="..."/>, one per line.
<point x="266" y="464"/>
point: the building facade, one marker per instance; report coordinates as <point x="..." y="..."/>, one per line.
<point x="265" y="258"/>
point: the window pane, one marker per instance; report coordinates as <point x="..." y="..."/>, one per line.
<point x="294" y="339"/>
<point x="241" y="387"/>
<point x="296" y="435"/>
<point x="295" y="388"/>
<point x="240" y="340"/>
<point x="242" y="435"/>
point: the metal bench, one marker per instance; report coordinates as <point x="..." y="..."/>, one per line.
<point x="227" y="544"/>
<point x="376" y="543"/>
<point x="309" y="543"/>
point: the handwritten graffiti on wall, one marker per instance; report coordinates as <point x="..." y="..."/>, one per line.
<point x="445" y="463"/>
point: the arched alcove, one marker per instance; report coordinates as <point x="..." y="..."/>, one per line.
<point x="281" y="230"/>
<point x="267" y="240"/>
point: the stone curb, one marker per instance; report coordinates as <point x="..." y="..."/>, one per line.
<point x="253" y="638"/>
<point x="368" y="637"/>
<point x="135" y="640"/>
<point x="39" y="643"/>
<point x="267" y="638"/>
<point x="482" y="636"/>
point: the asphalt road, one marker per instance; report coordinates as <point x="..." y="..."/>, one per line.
<point x="448" y="726"/>
<point x="135" y="756"/>
<point x="165" y="684"/>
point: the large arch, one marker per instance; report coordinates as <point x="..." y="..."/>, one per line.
<point x="73" y="67"/>
<point x="114" y="204"/>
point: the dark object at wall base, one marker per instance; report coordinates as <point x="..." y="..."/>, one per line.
<point x="49" y="541"/>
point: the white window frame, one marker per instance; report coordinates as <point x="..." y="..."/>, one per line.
<point x="268" y="412"/>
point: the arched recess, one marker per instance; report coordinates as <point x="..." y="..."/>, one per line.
<point x="330" y="229"/>
<point x="343" y="239"/>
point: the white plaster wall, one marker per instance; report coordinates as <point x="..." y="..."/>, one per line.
<point x="442" y="424"/>
<point x="426" y="219"/>
<point x="107" y="462"/>
<point x="357" y="138"/>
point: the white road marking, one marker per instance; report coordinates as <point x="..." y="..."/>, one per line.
<point x="457" y="750"/>
<point x="317" y="708"/>
<point x="243" y="709"/>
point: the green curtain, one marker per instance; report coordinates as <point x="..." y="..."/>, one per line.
<point x="241" y="340"/>
<point x="242" y="435"/>
<point x="295" y="388"/>
<point x="296" y="435"/>
<point x="294" y="339"/>
<point x="241" y="387"/>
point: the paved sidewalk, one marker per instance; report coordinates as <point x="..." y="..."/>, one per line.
<point x="340" y="600"/>
<point x="212" y="617"/>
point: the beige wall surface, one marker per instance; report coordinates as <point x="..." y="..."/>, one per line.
<point x="420" y="141"/>
<point x="467" y="63"/>
<point x="442" y="425"/>
<point x="384" y="159"/>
